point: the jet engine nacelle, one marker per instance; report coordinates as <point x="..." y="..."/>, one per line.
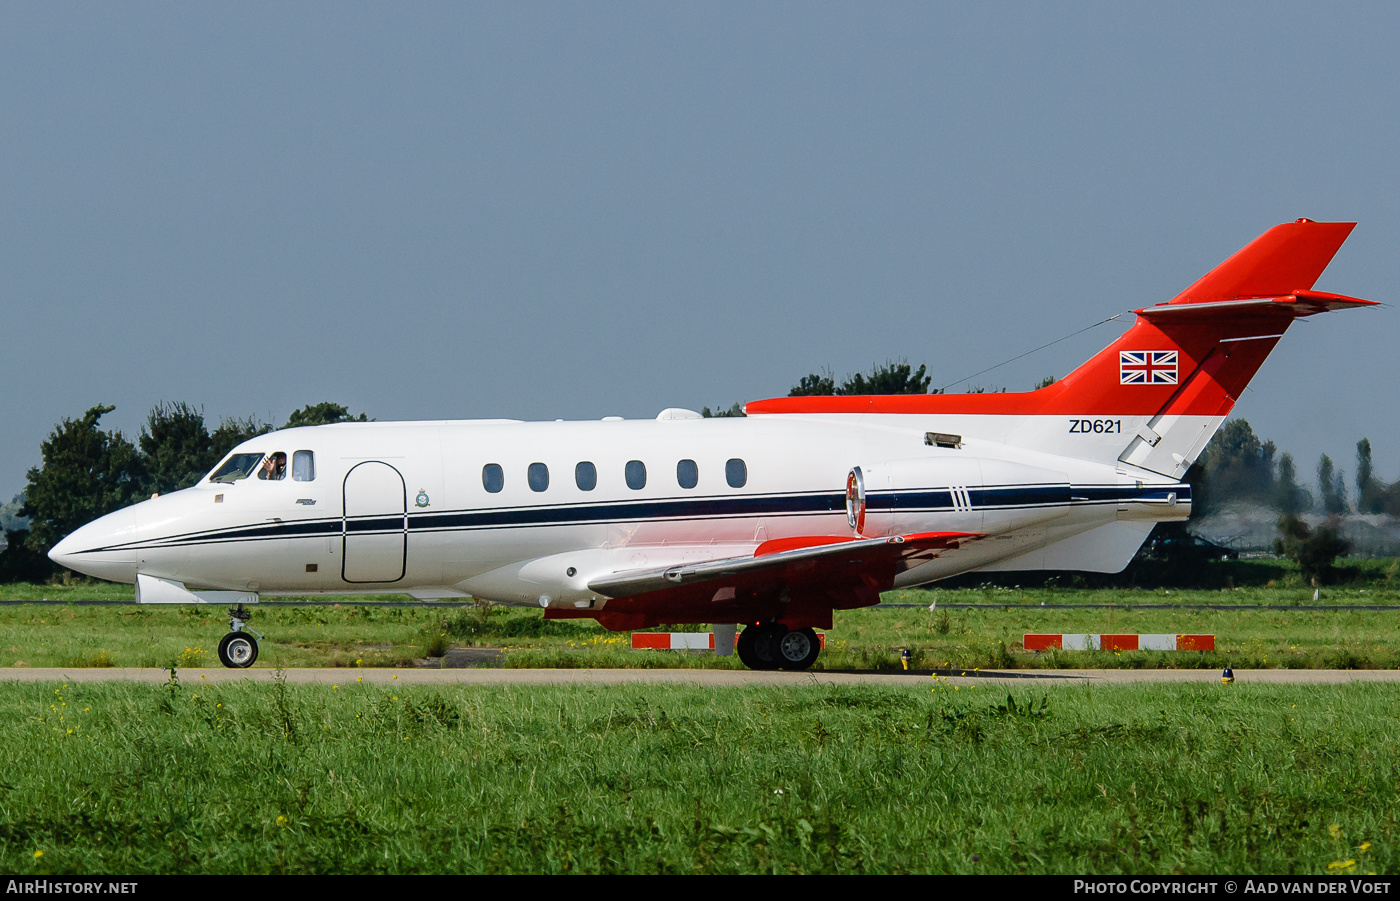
<point x="953" y="492"/>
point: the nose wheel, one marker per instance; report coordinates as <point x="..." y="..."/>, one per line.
<point x="239" y="648"/>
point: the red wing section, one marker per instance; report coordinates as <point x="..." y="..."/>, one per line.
<point x="798" y="581"/>
<point x="1192" y="356"/>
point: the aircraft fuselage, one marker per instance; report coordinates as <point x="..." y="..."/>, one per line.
<point x="532" y="512"/>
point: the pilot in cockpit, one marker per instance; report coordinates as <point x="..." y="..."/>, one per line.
<point x="274" y="467"/>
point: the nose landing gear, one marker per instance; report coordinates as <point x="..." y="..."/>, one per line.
<point x="239" y="647"/>
<point x="769" y="646"/>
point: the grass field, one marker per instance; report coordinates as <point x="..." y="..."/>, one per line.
<point x="373" y="779"/>
<point x="948" y="638"/>
<point x="972" y="628"/>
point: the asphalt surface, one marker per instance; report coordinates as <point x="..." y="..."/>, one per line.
<point x="700" y="677"/>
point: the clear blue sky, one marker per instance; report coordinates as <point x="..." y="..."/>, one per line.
<point x="576" y="210"/>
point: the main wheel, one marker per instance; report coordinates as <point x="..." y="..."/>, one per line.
<point x="797" y="650"/>
<point x="758" y="646"/>
<point x="238" y="650"/>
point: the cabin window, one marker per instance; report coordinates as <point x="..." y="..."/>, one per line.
<point x="303" y="466"/>
<point x="239" y="466"/>
<point x="586" y="476"/>
<point x="492" y="479"/>
<point x="538" y="476"/>
<point x="636" y="475"/>
<point x="274" y="468"/>
<point x="687" y="473"/>
<point x="736" y="473"/>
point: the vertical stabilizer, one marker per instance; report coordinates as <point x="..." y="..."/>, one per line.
<point x="1170" y="380"/>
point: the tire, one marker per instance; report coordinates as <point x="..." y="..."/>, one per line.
<point x="797" y="650"/>
<point x="238" y="650"/>
<point x="757" y="647"/>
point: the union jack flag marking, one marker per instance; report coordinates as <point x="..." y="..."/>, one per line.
<point x="1147" y="367"/>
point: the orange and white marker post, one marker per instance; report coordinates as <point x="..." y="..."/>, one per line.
<point x="673" y="641"/>
<point x="1079" y="641"/>
<point x="684" y="641"/>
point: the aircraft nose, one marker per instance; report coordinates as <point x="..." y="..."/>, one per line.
<point x="102" y="548"/>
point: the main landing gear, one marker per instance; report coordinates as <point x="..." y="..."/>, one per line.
<point x="239" y="647"/>
<point x="768" y="646"/>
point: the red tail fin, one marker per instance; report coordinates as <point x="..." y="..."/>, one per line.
<point x="1212" y="338"/>
<point x="1191" y="356"/>
<point x="1285" y="259"/>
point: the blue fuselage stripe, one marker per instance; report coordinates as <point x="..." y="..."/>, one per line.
<point x="924" y="500"/>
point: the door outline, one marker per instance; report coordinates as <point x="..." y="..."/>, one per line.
<point x="345" y="526"/>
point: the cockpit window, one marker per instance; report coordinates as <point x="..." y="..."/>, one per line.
<point x="239" y="466"/>
<point x="274" y="468"/>
<point x="303" y="466"/>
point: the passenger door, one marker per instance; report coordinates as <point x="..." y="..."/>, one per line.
<point x="374" y="526"/>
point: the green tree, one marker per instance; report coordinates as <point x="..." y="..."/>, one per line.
<point x="1236" y="467"/>
<point x="890" y="378"/>
<point x="175" y="448"/>
<point x="734" y="411"/>
<point x="1290" y="498"/>
<point x="233" y="432"/>
<point x="1314" y="550"/>
<point x="10" y="520"/>
<point x="814" y="385"/>
<point x="1370" y="491"/>
<point x="21" y="563"/>
<point x="887" y="378"/>
<point x="322" y="414"/>
<point x="85" y="473"/>
<point x="1333" y="486"/>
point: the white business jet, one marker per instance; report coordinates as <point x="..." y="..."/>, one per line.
<point x="808" y="505"/>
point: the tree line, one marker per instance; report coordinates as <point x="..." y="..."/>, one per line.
<point x="890" y="377"/>
<point x="87" y="472"/>
<point x="1238" y="468"/>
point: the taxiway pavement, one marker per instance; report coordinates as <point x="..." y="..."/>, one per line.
<point x="707" y="677"/>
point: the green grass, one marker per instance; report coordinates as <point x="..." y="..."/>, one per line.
<point x="947" y="638"/>
<point x="249" y="777"/>
<point x="34" y="635"/>
<point x="345" y="633"/>
<point x="72" y="588"/>
<point x="991" y="638"/>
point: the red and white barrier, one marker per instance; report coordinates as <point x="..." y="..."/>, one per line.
<point x="673" y="641"/>
<point x="684" y="641"/>
<point x="1072" y="641"/>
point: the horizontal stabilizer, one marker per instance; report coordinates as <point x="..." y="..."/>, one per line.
<point x="1294" y="306"/>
